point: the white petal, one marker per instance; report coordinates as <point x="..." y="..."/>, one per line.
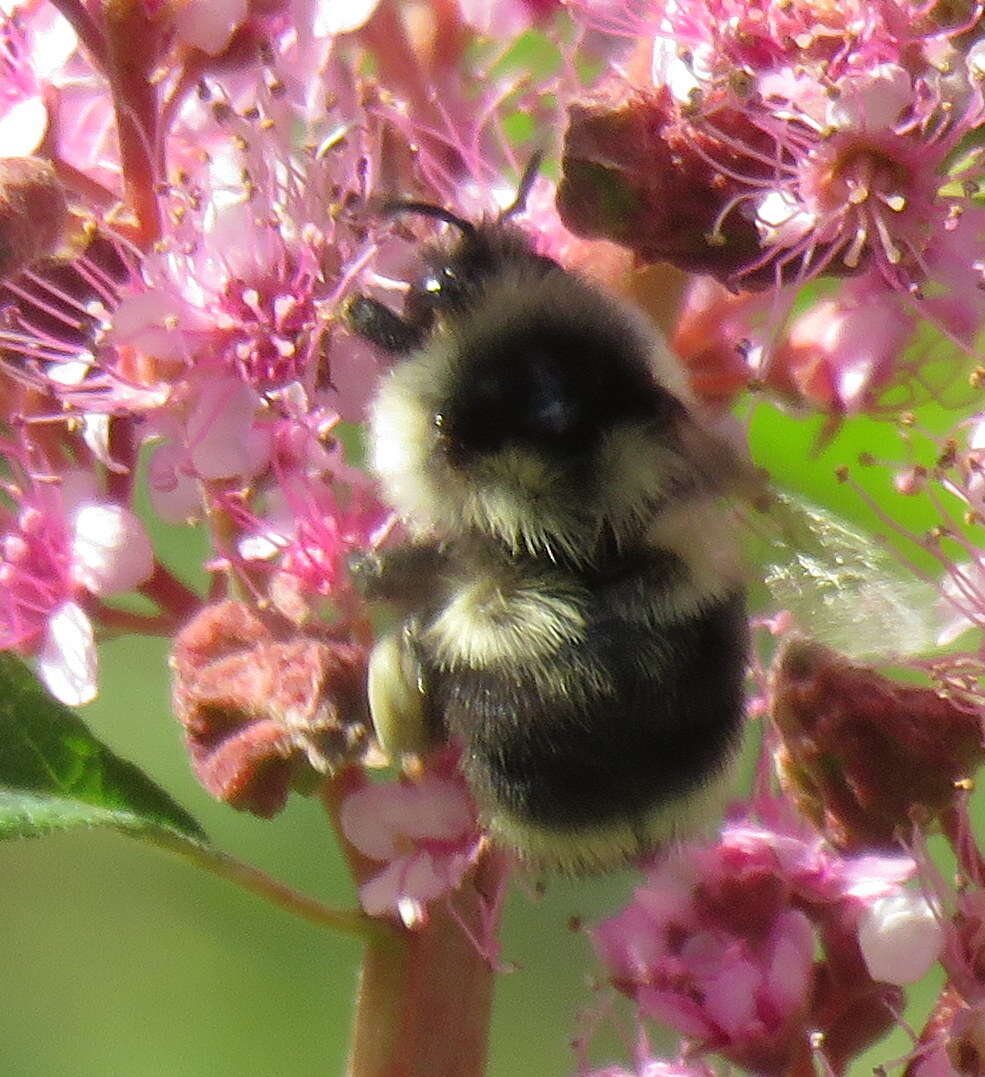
<point x="900" y="938"/>
<point x="875" y="100"/>
<point x="67" y="659"/>
<point x="342" y="16"/>
<point x="95" y="433"/>
<point x="111" y="552"/>
<point x="22" y="126"/>
<point x="209" y="24"/>
<point x="380" y="895"/>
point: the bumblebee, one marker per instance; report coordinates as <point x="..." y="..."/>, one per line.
<point x="572" y="612"/>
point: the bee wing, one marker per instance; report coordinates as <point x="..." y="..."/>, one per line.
<point x="841" y="586"/>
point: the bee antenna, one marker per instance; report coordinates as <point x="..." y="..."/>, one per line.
<point x="428" y="209"/>
<point x="530" y="171"/>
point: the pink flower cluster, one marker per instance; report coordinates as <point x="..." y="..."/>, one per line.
<point x="208" y="206"/>
<point x="769" y="144"/>
<point x="192" y="192"/>
<point x="721" y="944"/>
<point x="423" y="832"/>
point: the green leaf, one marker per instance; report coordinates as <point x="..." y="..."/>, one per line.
<point x="55" y="775"/>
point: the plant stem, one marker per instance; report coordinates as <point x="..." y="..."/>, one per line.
<point x="425" y="996"/>
<point x="132" y="45"/>
<point x="345" y="921"/>
<point x="85" y="27"/>
<point x="174" y="597"/>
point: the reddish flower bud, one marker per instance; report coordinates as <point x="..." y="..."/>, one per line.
<point x="861" y="754"/>
<point x="638" y="173"/>
<point x="966" y="1042"/>
<point x="262" y="713"/>
<point x="33" y="212"/>
<point x="952" y="1041"/>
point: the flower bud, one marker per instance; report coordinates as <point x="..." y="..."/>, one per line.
<point x="865" y="756"/>
<point x="635" y="172"/>
<point x="33" y="212"/>
<point x="710" y="337"/>
<point x="966" y="1044"/>
<point x="900" y="938"/>
<point x="952" y="1042"/>
<point x="262" y="713"/>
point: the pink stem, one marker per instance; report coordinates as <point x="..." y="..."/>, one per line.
<point x="170" y="593"/>
<point x="425" y="997"/>
<point x="132" y="41"/>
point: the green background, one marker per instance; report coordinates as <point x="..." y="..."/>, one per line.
<point x="119" y="960"/>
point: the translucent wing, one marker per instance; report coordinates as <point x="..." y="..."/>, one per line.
<point x="841" y="586"/>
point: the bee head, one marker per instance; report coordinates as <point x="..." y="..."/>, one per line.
<point x="532" y="412"/>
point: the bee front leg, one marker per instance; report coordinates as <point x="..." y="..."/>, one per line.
<point x="407" y="577"/>
<point x="375" y="322"/>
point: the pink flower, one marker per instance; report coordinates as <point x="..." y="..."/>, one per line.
<point x="208" y="24"/>
<point x="313" y="522"/>
<point x="425" y="833"/>
<point x="777" y="143"/>
<point x="35" y="42"/>
<point x="62" y="544"/>
<point x="51" y="93"/>
<point x="841" y="352"/>
<point x="220" y="436"/>
<point x="720" y="943"/>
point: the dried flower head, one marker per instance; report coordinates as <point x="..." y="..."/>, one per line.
<point x="262" y="711"/>
<point x="866" y="757"/>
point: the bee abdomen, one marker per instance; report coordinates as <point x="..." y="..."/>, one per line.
<point x="662" y="723"/>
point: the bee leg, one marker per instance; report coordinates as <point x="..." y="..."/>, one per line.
<point x="396" y="694"/>
<point x="404" y="575"/>
<point x="379" y="325"/>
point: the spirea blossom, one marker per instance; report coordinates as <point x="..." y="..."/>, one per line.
<point x="766" y="145"/>
<point x="424" y="834"/>
<point x="64" y="546"/>
<point x="819" y="137"/>
<point x="720" y="943"/>
<point x="203" y="329"/>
